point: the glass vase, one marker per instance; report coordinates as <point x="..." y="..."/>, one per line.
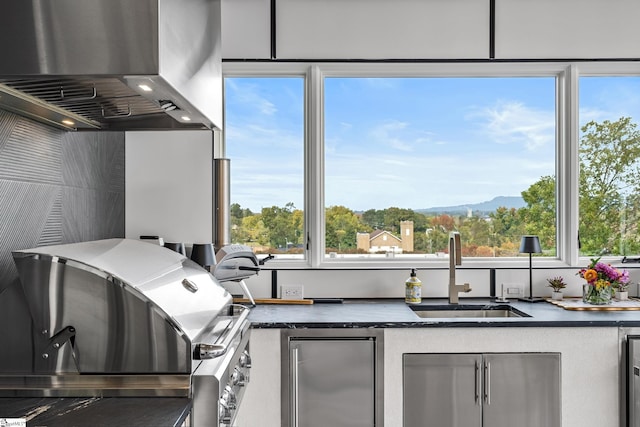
<point x="595" y="296"/>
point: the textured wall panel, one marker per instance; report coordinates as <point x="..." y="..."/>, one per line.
<point x="25" y="212"/>
<point x="32" y="153"/>
<point x="7" y="122"/>
<point x="96" y="162"/>
<point x="55" y="187"/>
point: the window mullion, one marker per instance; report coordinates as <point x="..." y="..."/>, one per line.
<point x="314" y="170"/>
<point x="570" y="175"/>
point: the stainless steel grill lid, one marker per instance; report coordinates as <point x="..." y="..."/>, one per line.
<point x="118" y="305"/>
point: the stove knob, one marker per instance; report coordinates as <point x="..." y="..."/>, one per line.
<point x="245" y="360"/>
<point x="224" y="413"/>
<point x="237" y="378"/>
<point x="232" y="400"/>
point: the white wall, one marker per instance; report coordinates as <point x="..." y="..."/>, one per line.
<point x="168" y="185"/>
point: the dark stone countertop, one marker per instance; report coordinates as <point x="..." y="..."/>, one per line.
<point x="394" y="313"/>
<point x="97" y="412"/>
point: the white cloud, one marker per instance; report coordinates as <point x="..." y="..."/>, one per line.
<point x="513" y="122"/>
<point x="390" y="133"/>
<point x="248" y="96"/>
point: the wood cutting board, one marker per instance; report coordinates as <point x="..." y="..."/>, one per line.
<point x="578" y="304"/>
<point x="274" y="301"/>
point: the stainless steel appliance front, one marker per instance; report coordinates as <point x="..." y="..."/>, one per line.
<point x="122" y="317"/>
<point x="332" y="377"/>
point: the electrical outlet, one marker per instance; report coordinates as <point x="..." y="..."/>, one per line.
<point x="512" y="290"/>
<point x="291" y="292"/>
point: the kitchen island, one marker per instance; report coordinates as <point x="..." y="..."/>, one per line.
<point x="590" y="344"/>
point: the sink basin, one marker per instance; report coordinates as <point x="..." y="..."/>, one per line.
<point x="467" y="311"/>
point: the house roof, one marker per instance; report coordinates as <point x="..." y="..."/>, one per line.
<point x="377" y="233"/>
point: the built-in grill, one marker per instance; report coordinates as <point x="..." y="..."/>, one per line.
<point x="123" y="317"/>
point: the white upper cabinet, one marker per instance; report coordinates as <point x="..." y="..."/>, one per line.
<point x="430" y="29"/>
<point x="382" y="29"/>
<point x="246" y="29"/>
<point x="572" y="29"/>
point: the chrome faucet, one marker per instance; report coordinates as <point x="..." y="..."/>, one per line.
<point x="455" y="258"/>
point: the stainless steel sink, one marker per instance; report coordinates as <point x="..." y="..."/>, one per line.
<point x="466" y="311"/>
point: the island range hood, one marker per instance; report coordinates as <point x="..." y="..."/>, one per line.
<point x="112" y="64"/>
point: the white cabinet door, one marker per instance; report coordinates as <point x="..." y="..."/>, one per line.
<point x="382" y="29"/>
<point x="558" y="29"/>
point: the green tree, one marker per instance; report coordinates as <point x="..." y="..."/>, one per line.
<point x="283" y="225"/>
<point x="342" y="227"/>
<point x="373" y="218"/>
<point x="476" y="231"/>
<point x="539" y="216"/>
<point x="609" y="186"/>
<point x="251" y="230"/>
<point x="506" y="225"/>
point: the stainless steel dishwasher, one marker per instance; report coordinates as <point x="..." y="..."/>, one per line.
<point x="332" y="377"/>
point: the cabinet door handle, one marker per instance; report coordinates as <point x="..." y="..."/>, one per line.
<point x="487" y="383"/>
<point x="478" y="382"/>
<point x="294" y="387"/>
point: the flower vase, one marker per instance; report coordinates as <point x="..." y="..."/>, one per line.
<point x="595" y="295"/>
<point x="622" y="295"/>
<point x="556" y="296"/>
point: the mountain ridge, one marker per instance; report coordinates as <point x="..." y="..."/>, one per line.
<point x="485" y="207"/>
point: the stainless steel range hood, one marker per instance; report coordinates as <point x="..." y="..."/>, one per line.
<point x="112" y="64"/>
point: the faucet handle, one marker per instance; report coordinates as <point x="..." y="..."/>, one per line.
<point x="466" y="288"/>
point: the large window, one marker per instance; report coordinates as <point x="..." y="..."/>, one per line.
<point x="609" y="165"/>
<point x="378" y="163"/>
<point x="408" y="160"/>
<point x="264" y="134"/>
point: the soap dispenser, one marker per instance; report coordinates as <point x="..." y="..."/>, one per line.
<point x="413" y="289"/>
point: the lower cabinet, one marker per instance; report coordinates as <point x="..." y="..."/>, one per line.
<point x="332" y="378"/>
<point x="481" y="390"/>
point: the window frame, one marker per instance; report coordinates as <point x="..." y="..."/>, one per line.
<point x="567" y="76"/>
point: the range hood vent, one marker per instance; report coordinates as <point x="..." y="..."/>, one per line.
<point x="113" y="64"/>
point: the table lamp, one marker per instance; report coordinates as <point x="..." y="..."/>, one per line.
<point x="530" y="245"/>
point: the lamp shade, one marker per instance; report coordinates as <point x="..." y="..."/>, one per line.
<point x="176" y="247"/>
<point x="203" y="254"/>
<point x="530" y="245"/>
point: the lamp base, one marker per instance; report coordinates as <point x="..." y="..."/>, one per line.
<point x="531" y="299"/>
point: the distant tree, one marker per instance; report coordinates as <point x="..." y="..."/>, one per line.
<point x="609" y="186"/>
<point x="393" y="216"/>
<point x="475" y="231"/>
<point x="506" y="225"/>
<point x="342" y="227"/>
<point x="282" y="224"/>
<point x="251" y="230"/>
<point x="438" y="232"/>
<point x="539" y="216"/>
<point x="237" y="214"/>
<point x="373" y="218"/>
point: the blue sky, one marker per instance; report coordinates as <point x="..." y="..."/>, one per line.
<point x="409" y="143"/>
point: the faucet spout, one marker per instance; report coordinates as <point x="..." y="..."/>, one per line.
<point x="455" y="258"/>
